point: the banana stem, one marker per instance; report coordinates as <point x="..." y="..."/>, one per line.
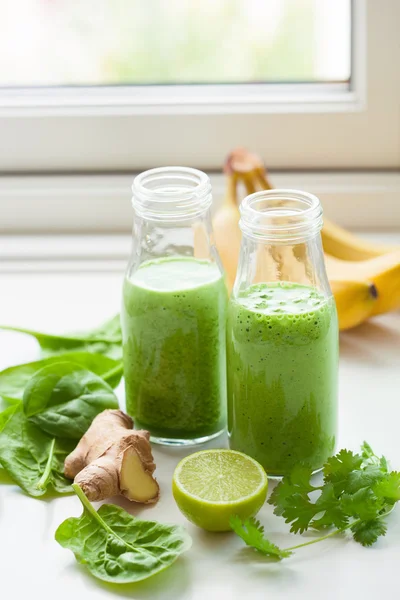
<point x="231" y="190"/>
<point x="250" y="179"/>
<point x="263" y="180"/>
<point x="254" y="180"/>
<point x="248" y="168"/>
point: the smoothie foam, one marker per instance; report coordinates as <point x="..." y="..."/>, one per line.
<point x="173" y="318"/>
<point x="282" y="371"/>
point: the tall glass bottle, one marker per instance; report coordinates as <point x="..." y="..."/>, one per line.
<point x="174" y="310"/>
<point x="282" y="336"/>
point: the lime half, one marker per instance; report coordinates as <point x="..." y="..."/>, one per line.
<point x="212" y="485"/>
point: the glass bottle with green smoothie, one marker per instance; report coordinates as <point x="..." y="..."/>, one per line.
<point x="282" y="336"/>
<point x="174" y="310"/>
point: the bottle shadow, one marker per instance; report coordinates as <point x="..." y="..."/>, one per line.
<point x="373" y="341"/>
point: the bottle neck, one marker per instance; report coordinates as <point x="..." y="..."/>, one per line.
<point x="281" y="241"/>
<point x="171" y="194"/>
<point x="172" y="216"/>
<point x="187" y="237"/>
<point x="280" y="217"/>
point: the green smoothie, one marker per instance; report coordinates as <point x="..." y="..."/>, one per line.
<point x="173" y="322"/>
<point x="282" y="353"/>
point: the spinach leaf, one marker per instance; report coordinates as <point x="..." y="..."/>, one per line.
<point x="14" y="379"/>
<point x="6" y="415"/>
<point x="106" y="339"/>
<point x="63" y="399"/>
<point x="34" y="460"/>
<point x="110" y="328"/>
<point x="117" y="547"/>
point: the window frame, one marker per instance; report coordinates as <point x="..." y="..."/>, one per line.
<point x="300" y="126"/>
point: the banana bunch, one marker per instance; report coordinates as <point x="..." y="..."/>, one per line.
<point x="364" y="277"/>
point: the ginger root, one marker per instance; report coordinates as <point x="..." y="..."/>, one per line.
<point x="112" y="459"/>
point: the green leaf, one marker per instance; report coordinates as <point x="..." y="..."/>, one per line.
<point x="333" y="514"/>
<point x="338" y="467"/>
<point x="26" y="453"/>
<point x="14" y="379"/>
<point x="388" y="488"/>
<point x="291" y="500"/>
<point x="298" y="482"/>
<point x="358" y="493"/>
<point x="299" y="511"/>
<point x="117" y="547"/>
<point x="106" y="339"/>
<point x="6" y="415"/>
<point x="281" y="495"/>
<point x="365" y="477"/>
<point x="366" y="451"/>
<point x="4" y="404"/>
<point x="364" y="504"/>
<point x="370" y="458"/>
<point x="110" y="328"/>
<point x="252" y="533"/>
<point x="367" y="532"/>
<point x="356" y="487"/>
<point x="63" y="399"/>
<point x="384" y="465"/>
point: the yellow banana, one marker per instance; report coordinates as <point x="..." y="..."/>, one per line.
<point x="240" y="166"/>
<point x="342" y="244"/>
<point x="227" y="233"/>
<point x="355" y="301"/>
<point x="383" y="271"/>
<point x="336" y="240"/>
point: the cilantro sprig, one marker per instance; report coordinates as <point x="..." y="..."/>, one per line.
<point x="357" y="494"/>
<point x="252" y="533"/>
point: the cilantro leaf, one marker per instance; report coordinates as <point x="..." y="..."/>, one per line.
<point x="364" y="477"/>
<point x="364" y="504"/>
<point x="333" y="513"/>
<point x="369" y="457"/>
<point x="358" y="493"/>
<point x="299" y="511"/>
<point x="338" y="468"/>
<point x="389" y="487"/>
<point x="252" y="533"/>
<point x="302" y="513"/>
<point x="366" y="451"/>
<point x="298" y="482"/>
<point x="367" y="532"/>
<point x="383" y="463"/>
<point x="280" y="495"/>
<point x="291" y="500"/>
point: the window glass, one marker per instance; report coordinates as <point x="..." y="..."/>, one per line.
<point x="128" y="42"/>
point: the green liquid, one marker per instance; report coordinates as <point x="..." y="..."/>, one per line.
<point x="282" y="353"/>
<point x="173" y="321"/>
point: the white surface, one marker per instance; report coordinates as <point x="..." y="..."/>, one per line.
<point x="218" y="566"/>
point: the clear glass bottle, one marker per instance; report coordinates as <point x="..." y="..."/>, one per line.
<point x="174" y="310"/>
<point x="282" y="336"/>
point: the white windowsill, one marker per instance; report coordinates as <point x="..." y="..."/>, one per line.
<point x="31" y="204"/>
<point x="88" y="253"/>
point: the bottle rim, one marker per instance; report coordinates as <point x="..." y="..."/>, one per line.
<point x="171" y="193"/>
<point x="281" y="216"/>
